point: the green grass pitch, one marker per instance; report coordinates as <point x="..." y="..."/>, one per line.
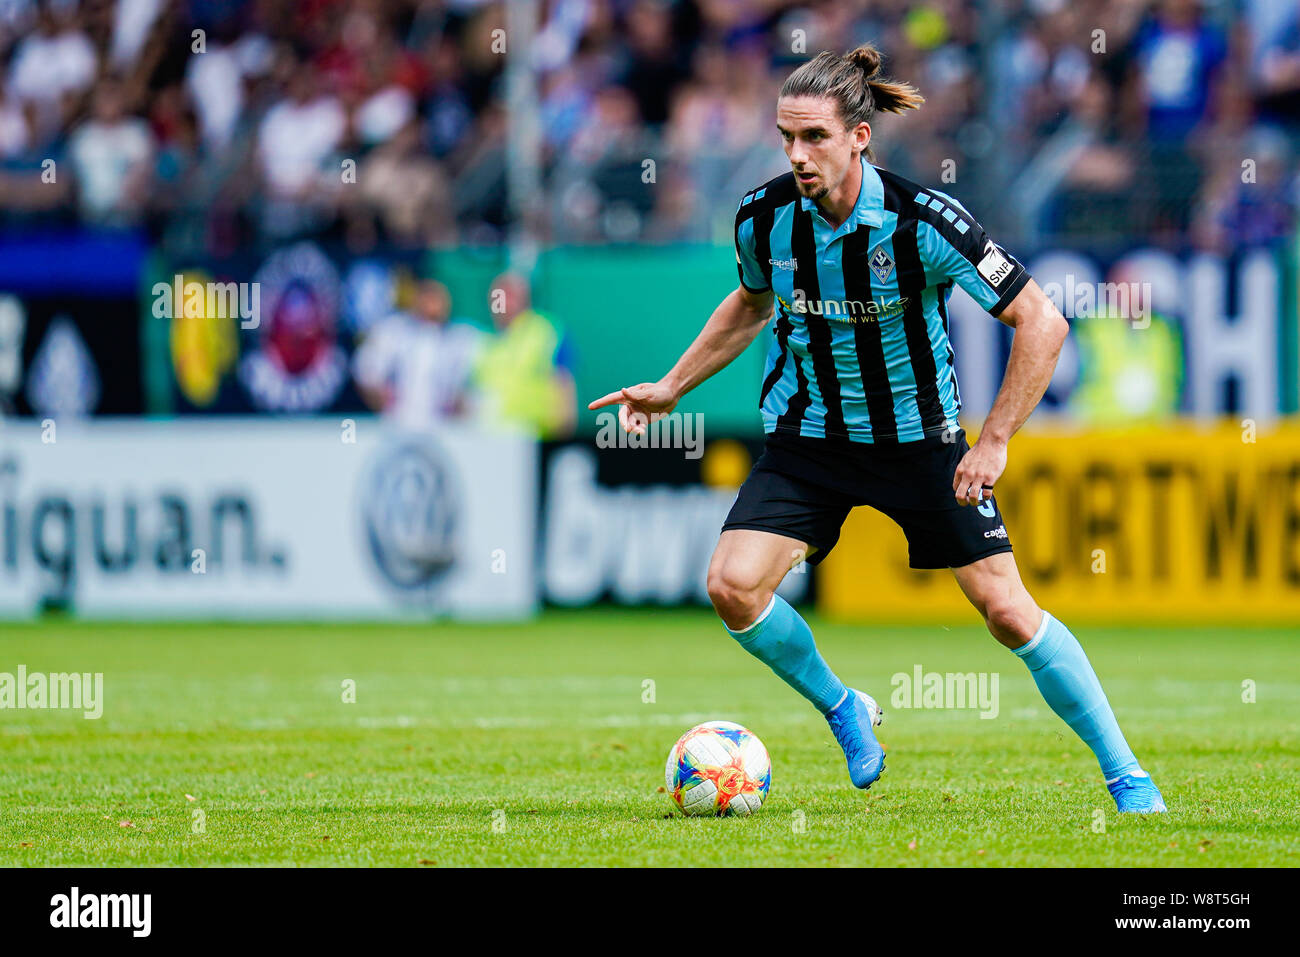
<point x="533" y="744"/>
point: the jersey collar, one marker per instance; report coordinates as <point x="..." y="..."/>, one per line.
<point x="869" y="210"/>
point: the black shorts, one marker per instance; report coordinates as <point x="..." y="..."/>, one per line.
<point x="804" y="488"/>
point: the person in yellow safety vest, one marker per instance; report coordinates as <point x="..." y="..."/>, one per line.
<point x="1130" y="368"/>
<point x="525" y="373"/>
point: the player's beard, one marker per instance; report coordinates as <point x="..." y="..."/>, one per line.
<point x="819" y="191"/>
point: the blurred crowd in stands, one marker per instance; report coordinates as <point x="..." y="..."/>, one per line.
<point x="224" y="124"/>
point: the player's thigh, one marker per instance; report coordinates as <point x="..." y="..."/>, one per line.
<point x="751" y="560"/>
<point x="792" y="517"/>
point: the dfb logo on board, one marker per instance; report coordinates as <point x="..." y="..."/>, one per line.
<point x="412" y="508"/>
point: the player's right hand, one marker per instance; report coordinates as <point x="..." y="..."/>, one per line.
<point x="639" y="405"/>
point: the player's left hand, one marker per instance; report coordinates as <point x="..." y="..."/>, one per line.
<point x="978" y="471"/>
<point x="639" y="405"/>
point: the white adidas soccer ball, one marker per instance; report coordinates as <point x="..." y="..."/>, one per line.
<point x="718" y="768"/>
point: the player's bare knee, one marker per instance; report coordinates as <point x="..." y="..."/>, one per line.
<point x="731" y="601"/>
<point x="1009" y="621"/>
<point x="738" y="603"/>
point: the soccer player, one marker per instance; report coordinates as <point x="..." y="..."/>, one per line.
<point x="859" y="402"/>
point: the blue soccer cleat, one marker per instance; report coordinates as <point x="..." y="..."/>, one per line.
<point x="1135" y="793"/>
<point x="851" y="722"/>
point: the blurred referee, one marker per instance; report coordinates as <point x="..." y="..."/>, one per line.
<point x="860" y="402"/>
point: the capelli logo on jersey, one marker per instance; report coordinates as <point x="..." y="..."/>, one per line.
<point x="787" y="264"/>
<point x="843" y="310"/>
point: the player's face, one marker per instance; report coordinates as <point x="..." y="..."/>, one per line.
<point x="821" y="149"/>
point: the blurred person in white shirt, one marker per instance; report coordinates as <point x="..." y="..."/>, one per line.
<point x="55" y="59"/>
<point x="415" y="367"/>
<point x="112" y="155"/>
<point x="298" y="135"/>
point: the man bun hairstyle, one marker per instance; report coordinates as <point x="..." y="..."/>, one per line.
<point x="856" y="84"/>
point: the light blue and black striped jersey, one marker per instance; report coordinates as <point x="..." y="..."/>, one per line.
<point x="860" y="344"/>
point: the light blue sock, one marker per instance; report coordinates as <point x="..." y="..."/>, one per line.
<point x="784" y="642"/>
<point x="1070" y="686"/>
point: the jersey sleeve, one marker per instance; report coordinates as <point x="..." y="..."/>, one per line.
<point x="752" y="275"/>
<point x="953" y="245"/>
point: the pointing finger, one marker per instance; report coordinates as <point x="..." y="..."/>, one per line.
<point x="610" y="399"/>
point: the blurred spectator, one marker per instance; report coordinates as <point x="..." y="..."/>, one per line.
<point x="1277" y="66"/>
<point x="406" y="192"/>
<point x="654" y="59"/>
<point x="1178" y="58"/>
<point x="131" y="27"/>
<point x="296" y="138"/>
<point x="54" y="63"/>
<point x="416" y="366"/>
<point x="112" y="157"/>
<point x="1254" y="205"/>
<point x="526" y="372"/>
<point x="450" y="118"/>
<point x="1096" y="197"/>
<point x="1130" y="357"/>
<point x="215" y="82"/>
